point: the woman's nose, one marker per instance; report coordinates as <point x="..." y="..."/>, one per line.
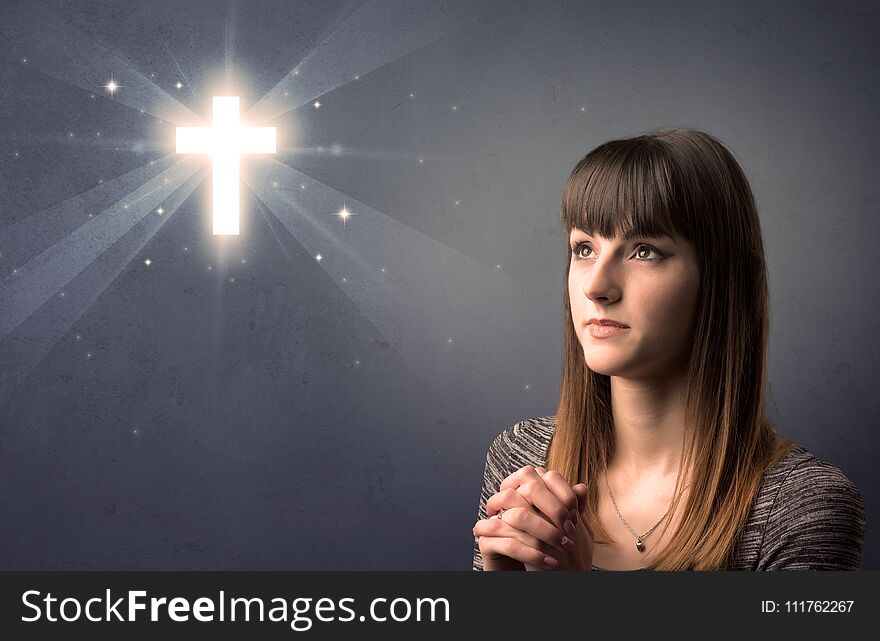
<point x="602" y="282"/>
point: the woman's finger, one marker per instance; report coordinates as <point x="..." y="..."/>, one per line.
<point x="528" y="482"/>
<point x="520" y="476"/>
<point x="563" y="491"/>
<point x="581" y="491"/>
<point x="504" y="529"/>
<point x="539" y="494"/>
<point x="534" y="525"/>
<point x="507" y="499"/>
<point x="497" y="538"/>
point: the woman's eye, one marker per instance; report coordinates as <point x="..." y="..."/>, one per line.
<point x="649" y="249"/>
<point x="643" y="252"/>
<point x="577" y="248"/>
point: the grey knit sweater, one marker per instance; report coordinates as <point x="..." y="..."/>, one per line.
<point x="807" y="515"/>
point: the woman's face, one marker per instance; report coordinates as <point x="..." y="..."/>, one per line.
<point x="651" y="285"/>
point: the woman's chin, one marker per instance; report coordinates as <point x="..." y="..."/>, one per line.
<point x="607" y="363"/>
<point x="604" y="367"/>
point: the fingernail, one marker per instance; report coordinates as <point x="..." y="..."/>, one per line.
<point x="550" y="562"/>
<point x="574" y="516"/>
<point x="567" y="543"/>
<point x="569" y="527"/>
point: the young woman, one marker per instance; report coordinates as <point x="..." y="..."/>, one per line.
<point x="660" y="455"/>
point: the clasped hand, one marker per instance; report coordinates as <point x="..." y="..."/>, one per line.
<point x="541" y="526"/>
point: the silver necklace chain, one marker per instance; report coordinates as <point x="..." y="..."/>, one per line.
<point x="640" y="546"/>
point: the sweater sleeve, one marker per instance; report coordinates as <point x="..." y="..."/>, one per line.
<point x="817" y="521"/>
<point x="491" y="482"/>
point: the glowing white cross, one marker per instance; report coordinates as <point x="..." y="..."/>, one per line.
<point x="226" y="141"/>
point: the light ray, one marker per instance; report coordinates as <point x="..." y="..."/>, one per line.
<point x="318" y="257"/>
<point x="361" y="44"/>
<point x="306" y="193"/>
<point x="35" y="282"/>
<point x="272" y="227"/>
<point x="24" y="348"/>
<point x="74" y="57"/>
<point x="33" y="140"/>
<point x="414" y="370"/>
<point x="176" y="64"/>
<point x="352" y="152"/>
<point x="425" y="284"/>
<point x="27" y="237"/>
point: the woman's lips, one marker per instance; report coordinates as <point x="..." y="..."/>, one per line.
<point x="605" y="331"/>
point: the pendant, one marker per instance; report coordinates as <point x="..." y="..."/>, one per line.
<point x="639" y="545"/>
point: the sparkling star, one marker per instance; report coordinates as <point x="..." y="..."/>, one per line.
<point x="112" y="86"/>
<point x="179" y="85"/>
<point x="344" y="214"/>
<point x="319" y="258"/>
<point x="316" y="105"/>
<point x="160" y="211"/>
<point x="148" y="262"/>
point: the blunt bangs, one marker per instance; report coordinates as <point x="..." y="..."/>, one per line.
<point x="623" y="189"/>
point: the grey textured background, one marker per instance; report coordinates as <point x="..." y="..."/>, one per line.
<point x="223" y="425"/>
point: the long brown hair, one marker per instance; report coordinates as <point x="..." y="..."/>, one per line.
<point x="680" y="181"/>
